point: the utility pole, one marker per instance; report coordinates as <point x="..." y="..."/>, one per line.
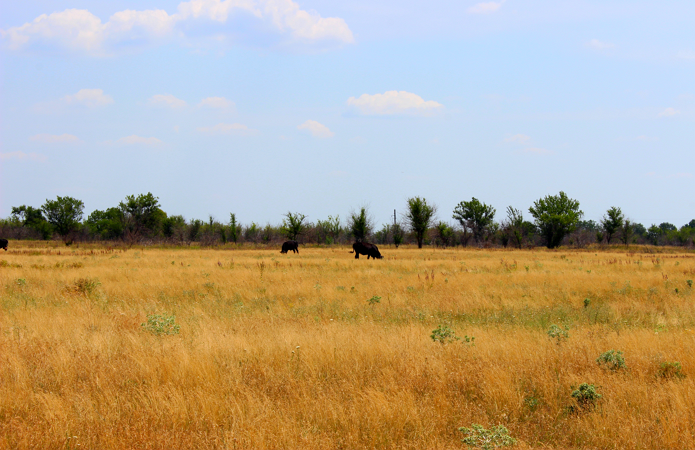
<point x="394" y="217"/>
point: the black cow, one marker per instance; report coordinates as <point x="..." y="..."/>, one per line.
<point x="365" y="248"/>
<point x="290" y="245"/>
<point x="3" y="244"/>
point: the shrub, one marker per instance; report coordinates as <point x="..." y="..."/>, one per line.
<point x="157" y="324"/>
<point x="85" y="286"/>
<point x="612" y="360"/>
<point x="496" y="437"/>
<point x="670" y="370"/>
<point x="372" y="301"/>
<point x="444" y="335"/>
<point x="557" y="333"/>
<point x="586" y="396"/>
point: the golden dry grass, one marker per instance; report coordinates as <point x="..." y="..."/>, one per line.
<point x="285" y="351"/>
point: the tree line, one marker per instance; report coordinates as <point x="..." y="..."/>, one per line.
<point x="554" y="220"/>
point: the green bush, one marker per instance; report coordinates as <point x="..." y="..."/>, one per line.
<point x="374" y="300"/>
<point x="157" y="324"/>
<point x="670" y="370"/>
<point x="496" y="437"/>
<point x="612" y="360"/>
<point x="444" y="335"/>
<point x="557" y="333"/>
<point x="586" y="396"/>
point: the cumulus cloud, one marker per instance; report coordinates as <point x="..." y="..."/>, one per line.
<point x="216" y="103"/>
<point x="598" y="45"/>
<point x="393" y="102"/>
<point x="20" y="156"/>
<point x="80" y="30"/>
<point x="166" y="101"/>
<point x="485" y="7"/>
<point x="134" y="139"/>
<point x="90" y="98"/>
<point x="669" y="112"/>
<point x="228" y="128"/>
<point x="55" y="138"/>
<point x="316" y="129"/>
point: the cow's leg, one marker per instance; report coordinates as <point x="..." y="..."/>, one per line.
<point x="357" y="255"/>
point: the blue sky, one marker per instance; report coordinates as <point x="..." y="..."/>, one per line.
<point x="260" y="107"/>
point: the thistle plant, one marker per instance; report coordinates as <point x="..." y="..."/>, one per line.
<point x="478" y="437"/>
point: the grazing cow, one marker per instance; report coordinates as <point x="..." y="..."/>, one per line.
<point x="365" y="248"/>
<point x="290" y="245"/>
<point x="3" y="244"/>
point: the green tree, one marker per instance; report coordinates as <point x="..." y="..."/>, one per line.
<point x="418" y="217"/>
<point x="627" y="230"/>
<point x="174" y="227"/>
<point x="476" y="215"/>
<point x="444" y="233"/>
<point x="65" y="214"/>
<point x="397" y="232"/>
<point x="666" y="227"/>
<point x="515" y="226"/>
<point x="360" y="224"/>
<point x="653" y="234"/>
<point x="329" y="230"/>
<point x="106" y="224"/>
<point x="194" y="229"/>
<point x="142" y="215"/>
<point x="612" y="222"/>
<point x="234" y="228"/>
<point x="555" y="217"/>
<point x="32" y="218"/>
<point x="293" y="225"/>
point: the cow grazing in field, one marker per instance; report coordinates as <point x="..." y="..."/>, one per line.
<point x="290" y="246"/>
<point x="3" y="244"/>
<point x="365" y="248"/>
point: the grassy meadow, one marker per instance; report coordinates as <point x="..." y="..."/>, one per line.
<point x="318" y="350"/>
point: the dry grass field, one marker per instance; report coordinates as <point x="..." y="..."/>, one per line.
<point x="322" y="351"/>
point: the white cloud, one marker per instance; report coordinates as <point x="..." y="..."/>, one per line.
<point x="90" y="98"/>
<point x="133" y="139"/>
<point x="55" y="138"/>
<point x="216" y="103"/>
<point x="166" y="101"/>
<point x="598" y="45"/>
<point x="316" y="129"/>
<point x="393" y="102"/>
<point x="22" y="156"/>
<point x="685" y="54"/>
<point x="80" y="30"/>
<point x="228" y="128"/>
<point x="668" y="112"/>
<point x="518" y="138"/>
<point x="485" y="7"/>
<point x="525" y="145"/>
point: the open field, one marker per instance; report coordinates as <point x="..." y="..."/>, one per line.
<point x="295" y="351"/>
